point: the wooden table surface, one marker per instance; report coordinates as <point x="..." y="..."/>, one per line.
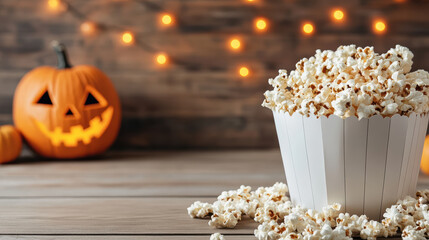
<point x="138" y="195"/>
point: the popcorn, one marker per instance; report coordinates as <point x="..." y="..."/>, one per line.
<point x="411" y="233"/>
<point x="200" y="210"/>
<point x="217" y="236"/>
<point x="353" y="223"/>
<point x="293" y="236"/>
<point x="242" y="193"/>
<point x="339" y="233"/>
<point x="268" y="231"/>
<point x="267" y="213"/>
<point x="398" y="216"/>
<point x="225" y="215"/>
<point x="279" y="219"/>
<point x="351" y="81"/>
<point x="331" y="212"/>
<point x="372" y="229"/>
<point x="224" y="220"/>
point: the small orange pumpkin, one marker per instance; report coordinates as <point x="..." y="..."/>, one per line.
<point x="424" y="164"/>
<point x="10" y="143"/>
<point x="67" y="112"/>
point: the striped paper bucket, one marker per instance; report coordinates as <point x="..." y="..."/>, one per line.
<point x="365" y="165"/>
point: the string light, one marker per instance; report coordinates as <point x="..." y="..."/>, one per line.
<point x="166" y="19"/>
<point x="127" y="38"/>
<point x="379" y="26"/>
<point x="235" y="44"/>
<point x="54" y="5"/>
<point x="88" y="28"/>
<point x="261" y="24"/>
<point x="308" y="28"/>
<point x="161" y="59"/>
<point x="338" y="15"/>
<point x="243" y="71"/>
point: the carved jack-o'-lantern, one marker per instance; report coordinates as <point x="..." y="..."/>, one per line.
<point x="68" y="112"/>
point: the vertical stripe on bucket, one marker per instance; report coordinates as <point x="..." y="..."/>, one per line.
<point x="405" y="157"/>
<point x="299" y="154"/>
<point x="356" y="134"/>
<point x="333" y="149"/>
<point x="395" y="153"/>
<point x="419" y="149"/>
<point x="285" y="149"/>
<point x="313" y="139"/>
<point x="411" y="158"/>
<point x="378" y="136"/>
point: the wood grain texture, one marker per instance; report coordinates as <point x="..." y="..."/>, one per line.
<point x="142" y="174"/>
<point x="109" y="216"/>
<point x="114" y="197"/>
<point x="119" y="237"/>
<point x="106" y="216"/>
<point x="199" y="101"/>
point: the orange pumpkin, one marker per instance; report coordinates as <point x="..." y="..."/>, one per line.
<point x="67" y="112"/>
<point x="10" y="143"/>
<point x="424" y="164"/>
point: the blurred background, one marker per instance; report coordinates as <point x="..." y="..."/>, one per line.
<point x="192" y="73"/>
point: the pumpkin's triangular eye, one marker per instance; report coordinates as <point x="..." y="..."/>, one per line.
<point x="45" y="99"/>
<point x="90" y="100"/>
<point x="69" y="113"/>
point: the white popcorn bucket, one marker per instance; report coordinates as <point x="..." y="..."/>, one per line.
<point x="365" y="165"/>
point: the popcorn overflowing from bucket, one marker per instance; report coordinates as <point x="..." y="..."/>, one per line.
<point x="279" y="219"/>
<point x="351" y="81"/>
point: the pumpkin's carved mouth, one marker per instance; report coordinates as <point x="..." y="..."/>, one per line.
<point x="97" y="127"/>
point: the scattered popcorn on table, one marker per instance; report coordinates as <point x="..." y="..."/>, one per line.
<point x="373" y="229"/>
<point x="413" y="233"/>
<point x="217" y="236"/>
<point x="200" y="210"/>
<point x="351" y="81"/>
<point x="338" y="233"/>
<point x="280" y="220"/>
<point x="225" y="215"/>
<point x="267" y="230"/>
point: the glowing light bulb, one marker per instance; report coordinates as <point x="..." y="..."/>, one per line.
<point x="338" y="15"/>
<point x="379" y="26"/>
<point x="166" y="19"/>
<point x="88" y="28"/>
<point x="235" y="44"/>
<point x="243" y="71"/>
<point x="54" y="4"/>
<point x="308" y="28"/>
<point x="127" y="38"/>
<point x="161" y="59"/>
<point x="261" y="24"/>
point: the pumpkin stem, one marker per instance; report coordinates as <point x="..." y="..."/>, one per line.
<point x="60" y="50"/>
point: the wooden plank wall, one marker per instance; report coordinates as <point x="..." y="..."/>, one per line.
<point x="198" y="101"/>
